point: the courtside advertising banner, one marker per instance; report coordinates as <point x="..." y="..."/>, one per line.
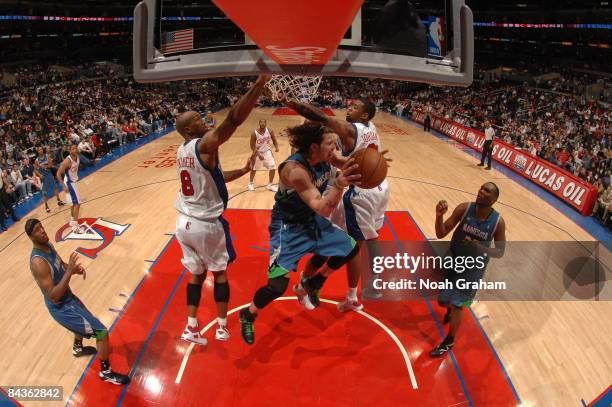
<point x="572" y="190"/>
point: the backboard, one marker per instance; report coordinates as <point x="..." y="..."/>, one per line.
<point x="427" y="41"/>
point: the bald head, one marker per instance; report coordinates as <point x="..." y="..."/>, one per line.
<point x="186" y="124"/>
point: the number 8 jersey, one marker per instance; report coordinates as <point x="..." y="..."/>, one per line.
<point x="203" y="194"/>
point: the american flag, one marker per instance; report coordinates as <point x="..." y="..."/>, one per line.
<point x="176" y="41"/>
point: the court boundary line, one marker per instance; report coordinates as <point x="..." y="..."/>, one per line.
<point x="145" y="344"/>
<point x="488" y="340"/>
<point x="389" y="332"/>
<point x="118" y="317"/>
<point x="436" y="322"/>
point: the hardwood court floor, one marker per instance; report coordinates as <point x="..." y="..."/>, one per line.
<point x="555" y="353"/>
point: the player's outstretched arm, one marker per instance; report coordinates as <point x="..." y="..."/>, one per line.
<point x="296" y="177"/>
<point x="343" y="128"/>
<point x="443" y="228"/>
<point x="236" y="116"/>
<point x="229" y="176"/>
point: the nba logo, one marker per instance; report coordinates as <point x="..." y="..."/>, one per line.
<point x="520" y="162"/>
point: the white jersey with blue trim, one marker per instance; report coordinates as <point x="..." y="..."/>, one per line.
<point x="366" y="136"/>
<point x="71" y="175"/>
<point x="200" y="194"/>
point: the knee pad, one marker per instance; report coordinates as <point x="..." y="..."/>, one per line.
<point x="335" y="262"/>
<point x="194" y="292"/>
<point x="318" y="261"/>
<point x="100" y="334"/>
<point x="222" y="292"/>
<point x="275" y="288"/>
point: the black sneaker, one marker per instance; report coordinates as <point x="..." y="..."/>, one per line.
<point x="79" y="351"/>
<point x="246" y="326"/>
<point x="313" y="293"/>
<point x="60" y="203"/>
<point x="114" y="377"/>
<point x="441" y="349"/>
<point x="488" y="168"/>
<point x="481" y="165"/>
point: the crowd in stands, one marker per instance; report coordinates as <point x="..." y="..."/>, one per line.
<point x="101" y="114"/>
<point x="564" y="130"/>
<point x="97" y="115"/>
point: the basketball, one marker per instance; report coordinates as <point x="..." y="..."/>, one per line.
<point x="372" y="167"/>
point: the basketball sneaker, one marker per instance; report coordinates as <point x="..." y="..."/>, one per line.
<point x="303" y="297"/>
<point x="272" y="187"/>
<point x="442" y="348"/>
<point x="192" y="334"/>
<point x="78" y="351"/>
<point x="114" y="377"/>
<point x="247" y="331"/>
<point x="312" y="293"/>
<point x="222" y="334"/>
<point x="349" y="305"/>
<point x="251" y="186"/>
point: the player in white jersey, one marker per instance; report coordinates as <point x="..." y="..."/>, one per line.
<point x="200" y="229"/>
<point x="264" y="160"/>
<point x="361" y="212"/>
<point x="67" y="175"/>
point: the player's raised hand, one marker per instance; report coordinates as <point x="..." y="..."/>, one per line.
<point x="348" y="174"/>
<point x="441" y="208"/>
<point x="73" y="266"/>
<point x="81" y="271"/>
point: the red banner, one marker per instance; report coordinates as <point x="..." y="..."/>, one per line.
<point x="565" y="186"/>
<point x="303" y="32"/>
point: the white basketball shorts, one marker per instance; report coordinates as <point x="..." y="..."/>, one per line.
<point x="206" y="245"/>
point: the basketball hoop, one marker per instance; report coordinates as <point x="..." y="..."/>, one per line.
<point x="296" y="88"/>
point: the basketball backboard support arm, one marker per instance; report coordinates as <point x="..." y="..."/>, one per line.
<point x="150" y="65"/>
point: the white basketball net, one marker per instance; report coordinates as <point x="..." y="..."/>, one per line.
<point x="297" y="88"/>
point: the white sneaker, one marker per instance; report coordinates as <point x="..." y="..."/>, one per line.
<point x="272" y="187"/>
<point x="192" y="334"/>
<point x="349" y="305"/>
<point x="222" y="334"/>
<point x="303" y="297"/>
<point x="251" y="186"/>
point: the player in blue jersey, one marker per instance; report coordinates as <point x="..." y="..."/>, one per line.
<point x="53" y="275"/>
<point x="299" y="225"/>
<point x="48" y="182"/>
<point x="478" y="225"/>
<point x="361" y="212"/>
